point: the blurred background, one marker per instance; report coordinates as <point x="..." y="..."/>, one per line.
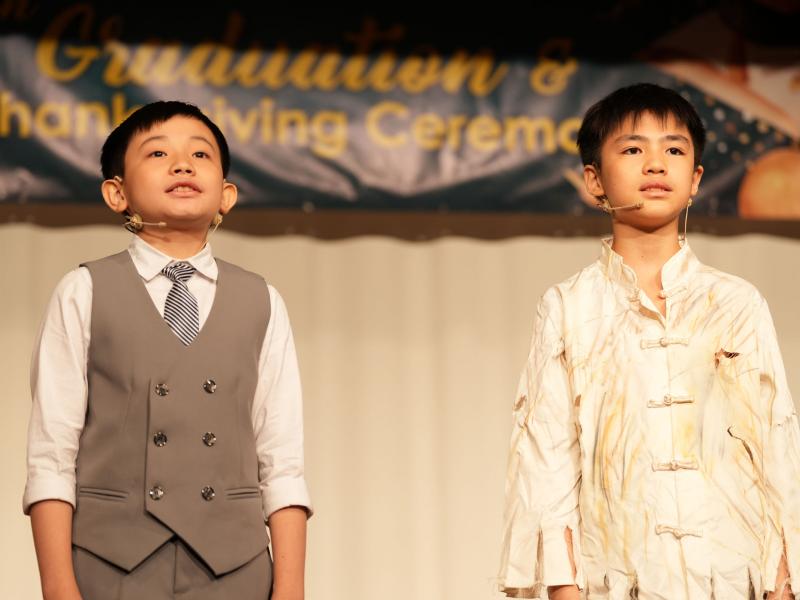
<point x="409" y="182"/>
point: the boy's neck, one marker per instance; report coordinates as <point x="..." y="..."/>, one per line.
<point x="646" y="251"/>
<point x="173" y="243"/>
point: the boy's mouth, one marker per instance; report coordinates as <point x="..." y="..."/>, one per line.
<point x="183" y="187"/>
<point x="655" y="186"/>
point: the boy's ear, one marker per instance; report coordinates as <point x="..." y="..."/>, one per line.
<point x="591" y="179"/>
<point x="230" y="193"/>
<point x="114" y="194"/>
<point x="696" y="176"/>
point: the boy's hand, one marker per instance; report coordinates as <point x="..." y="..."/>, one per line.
<point x="564" y="592"/>
<point x="70" y="592"/>
<point x="286" y="596"/>
<point x="783" y="590"/>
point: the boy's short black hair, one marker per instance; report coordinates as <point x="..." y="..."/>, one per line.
<point x="112" y="157"/>
<point x="607" y="115"/>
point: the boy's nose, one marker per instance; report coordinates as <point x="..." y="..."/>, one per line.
<point x="655" y="165"/>
<point x="182" y="167"/>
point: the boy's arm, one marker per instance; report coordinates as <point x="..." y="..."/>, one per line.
<point x="278" y="428"/>
<point x="288" y="528"/>
<point x="59" y="391"/>
<point x="58" y="387"/>
<point x="783" y="586"/>
<point x="782" y="461"/>
<point x="51" y="521"/>
<point x="543" y="478"/>
<point x="566" y="592"/>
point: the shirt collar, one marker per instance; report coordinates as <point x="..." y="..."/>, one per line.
<point x="149" y="261"/>
<point x="674" y="273"/>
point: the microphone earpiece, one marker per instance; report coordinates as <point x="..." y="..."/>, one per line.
<point x="134" y="223"/>
<point x="626" y="207"/>
<point x="605" y="205"/>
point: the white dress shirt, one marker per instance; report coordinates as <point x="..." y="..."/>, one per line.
<point x="669" y="445"/>
<point x="59" y="384"/>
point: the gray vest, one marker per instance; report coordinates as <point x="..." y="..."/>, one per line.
<point x="168" y="446"/>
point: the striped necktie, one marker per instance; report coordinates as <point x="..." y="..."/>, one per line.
<point x="180" y="309"/>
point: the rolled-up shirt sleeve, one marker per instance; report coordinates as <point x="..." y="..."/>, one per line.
<point x="543" y="478"/>
<point x="278" y="417"/>
<point x="59" y="391"/>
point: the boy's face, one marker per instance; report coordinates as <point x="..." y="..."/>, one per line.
<point x="650" y="163"/>
<point x="173" y="173"/>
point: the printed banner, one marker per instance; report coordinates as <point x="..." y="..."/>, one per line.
<point x="369" y="116"/>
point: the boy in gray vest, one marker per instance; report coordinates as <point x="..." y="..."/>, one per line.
<point x="167" y="417"/>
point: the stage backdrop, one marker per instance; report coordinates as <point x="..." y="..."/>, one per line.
<point x="409" y="355"/>
<point x="398" y="113"/>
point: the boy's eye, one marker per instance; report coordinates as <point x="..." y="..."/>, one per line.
<point x="157" y="153"/>
<point x="676" y="151"/>
<point x="632" y="150"/>
<point x="201" y="154"/>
